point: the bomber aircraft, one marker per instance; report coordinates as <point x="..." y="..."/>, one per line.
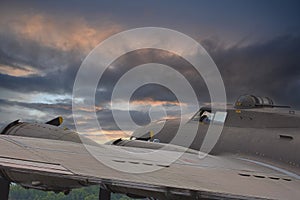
<point x="256" y="157"/>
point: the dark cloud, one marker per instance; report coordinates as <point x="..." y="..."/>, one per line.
<point x="256" y="46"/>
<point x="56" y="69"/>
<point x="268" y="69"/>
<point x="157" y="92"/>
<point x="48" y="48"/>
<point x="107" y="122"/>
<point x="52" y="110"/>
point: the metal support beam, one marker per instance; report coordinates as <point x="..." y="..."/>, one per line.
<point x="104" y="194"/>
<point x="4" y="189"/>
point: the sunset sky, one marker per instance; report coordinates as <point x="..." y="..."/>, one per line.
<point x="255" y="44"/>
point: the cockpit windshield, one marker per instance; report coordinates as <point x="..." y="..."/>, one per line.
<point x="206" y="116"/>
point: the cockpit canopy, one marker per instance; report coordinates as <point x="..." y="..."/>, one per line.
<point x="251" y="101"/>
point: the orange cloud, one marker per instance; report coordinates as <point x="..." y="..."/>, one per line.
<point x="23" y="71"/>
<point x="65" y="107"/>
<point x="61" y="33"/>
<point x="169" y="117"/>
<point x="150" y="101"/>
<point x="105" y="135"/>
<point x="87" y="109"/>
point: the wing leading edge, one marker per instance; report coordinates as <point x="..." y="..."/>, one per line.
<point x="61" y="165"/>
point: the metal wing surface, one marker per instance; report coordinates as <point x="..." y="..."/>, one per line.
<point x="144" y="173"/>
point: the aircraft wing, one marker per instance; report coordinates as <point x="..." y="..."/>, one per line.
<point x="189" y="177"/>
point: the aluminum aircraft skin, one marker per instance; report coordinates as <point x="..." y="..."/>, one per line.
<point x="256" y="157"/>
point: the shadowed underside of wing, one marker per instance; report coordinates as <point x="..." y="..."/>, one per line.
<point x="45" y="164"/>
